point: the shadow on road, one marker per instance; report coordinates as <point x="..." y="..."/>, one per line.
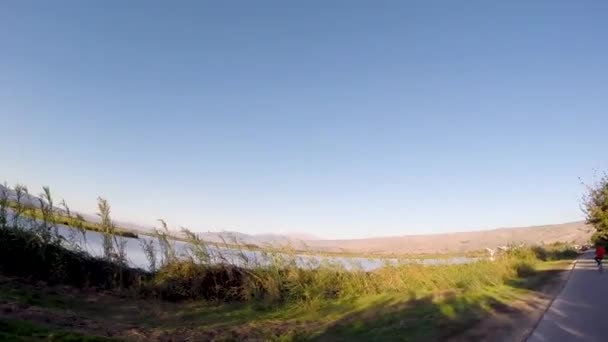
<point x="579" y="312"/>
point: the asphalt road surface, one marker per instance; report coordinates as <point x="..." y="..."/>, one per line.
<point x="580" y="311"/>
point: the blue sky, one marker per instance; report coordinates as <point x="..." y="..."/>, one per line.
<point x="334" y="118"/>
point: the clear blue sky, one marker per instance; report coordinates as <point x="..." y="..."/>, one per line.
<point x="335" y="118"/>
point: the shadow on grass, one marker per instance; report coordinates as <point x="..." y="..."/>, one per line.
<point x="449" y="316"/>
<point x="383" y="318"/>
<point x="422" y="319"/>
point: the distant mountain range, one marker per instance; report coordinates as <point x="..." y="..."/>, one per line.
<point x="575" y="232"/>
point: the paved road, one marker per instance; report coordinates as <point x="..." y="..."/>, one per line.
<point x="580" y="311"/>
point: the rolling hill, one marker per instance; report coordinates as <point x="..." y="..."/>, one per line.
<point x="576" y="232"/>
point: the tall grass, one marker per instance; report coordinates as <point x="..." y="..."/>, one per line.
<point x="77" y="237"/>
<point x="278" y="277"/>
<point x="230" y="272"/>
<point x="19" y="209"/>
<point x="4" y="202"/>
<point x="166" y="244"/>
<point x="150" y="252"/>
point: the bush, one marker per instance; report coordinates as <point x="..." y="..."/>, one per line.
<point x="182" y="280"/>
<point x="556" y="251"/>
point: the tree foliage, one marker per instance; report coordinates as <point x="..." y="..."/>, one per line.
<point x="595" y="207"/>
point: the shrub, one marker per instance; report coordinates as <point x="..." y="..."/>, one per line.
<point x="187" y="280"/>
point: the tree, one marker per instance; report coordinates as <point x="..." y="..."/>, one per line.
<point x="595" y="207"/>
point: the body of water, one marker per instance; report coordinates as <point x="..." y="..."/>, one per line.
<point x="137" y="258"/>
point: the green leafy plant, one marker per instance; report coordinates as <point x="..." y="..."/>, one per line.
<point x="595" y="207"/>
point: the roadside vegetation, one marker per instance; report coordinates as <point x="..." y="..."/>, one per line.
<point x="225" y="293"/>
<point x="595" y="207"/>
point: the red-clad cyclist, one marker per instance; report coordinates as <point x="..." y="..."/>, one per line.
<point x="600" y="251"/>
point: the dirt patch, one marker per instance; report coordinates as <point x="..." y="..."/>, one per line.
<point x="59" y="319"/>
<point x="67" y="321"/>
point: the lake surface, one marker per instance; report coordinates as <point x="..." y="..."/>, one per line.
<point x="137" y="258"/>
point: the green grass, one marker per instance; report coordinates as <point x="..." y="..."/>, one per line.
<point x="422" y="316"/>
<point x="14" y="291"/>
<point x="12" y="330"/>
<point x="30" y="298"/>
<point x="432" y="316"/>
<point x="286" y="282"/>
<point x="415" y="315"/>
